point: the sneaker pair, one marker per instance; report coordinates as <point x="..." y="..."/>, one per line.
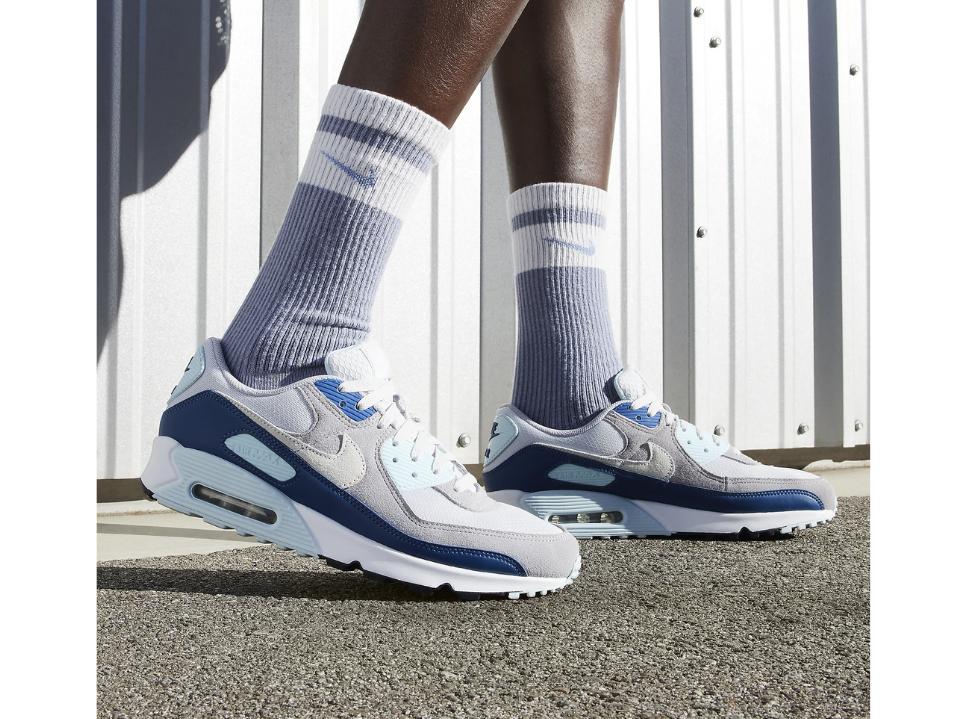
<point x="334" y="466"/>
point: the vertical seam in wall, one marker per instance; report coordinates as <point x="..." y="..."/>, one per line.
<point x="137" y="244"/>
<point x="781" y="229"/>
<point x="689" y="232"/>
<point x="279" y="123"/>
<point x="625" y="190"/>
<point x="733" y="239"/>
<point x="435" y="294"/>
<point x="481" y="269"/>
<point x="864" y="69"/>
<point x="113" y="269"/>
<point x="264" y="36"/>
<point x="829" y="409"/>
<point x="223" y="261"/>
<point x="203" y="183"/>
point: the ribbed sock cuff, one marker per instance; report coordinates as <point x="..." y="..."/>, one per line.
<point x="557" y="224"/>
<point x="374" y="148"/>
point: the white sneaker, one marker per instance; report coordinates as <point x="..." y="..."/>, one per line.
<point x="637" y="470"/>
<point x="334" y="466"/>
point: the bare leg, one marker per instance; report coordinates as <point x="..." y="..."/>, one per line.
<point x="430" y="54"/>
<point x="556" y="82"/>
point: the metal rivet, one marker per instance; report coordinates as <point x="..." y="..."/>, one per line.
<point x="803" y="429"/>
<point x="854" y="69"/>
<point x="857" y="425"/>
<point x="698" y="11"/>
<point x="463" y="440"/>
<point x="714" y="42"/>
<point x="719" y="430"/>
<point x="701" y="232"/>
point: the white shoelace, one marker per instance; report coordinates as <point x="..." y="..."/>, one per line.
<point x="655" y="406"/>
<point x="381" y="395"/>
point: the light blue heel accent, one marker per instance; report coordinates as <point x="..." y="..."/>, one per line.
<point x="191" y="374"/>
<point x="503" y="432"/>
<point x="582" y="475"/>
<point x="635" y="522"/>
<point x="260" y="456"/>
<point x="195" y="467"/>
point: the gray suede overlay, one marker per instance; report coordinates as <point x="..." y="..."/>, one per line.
<point x="686" y="471"/>
<point x="690" y="473"/>
<point x="550" y="555"/>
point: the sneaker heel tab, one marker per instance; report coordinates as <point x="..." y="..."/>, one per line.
<point x="502" y="434"/>
<point x="191" y="373"/>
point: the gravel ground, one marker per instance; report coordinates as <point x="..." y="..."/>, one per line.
<point x="665" y="628"/>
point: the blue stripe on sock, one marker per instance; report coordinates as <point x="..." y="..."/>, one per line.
<point x="389" y="142"/>
<point x="556" y="215"/>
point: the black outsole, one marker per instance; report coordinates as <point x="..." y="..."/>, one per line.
<point x="147" y="493"/>
<point x="744" y="535"/>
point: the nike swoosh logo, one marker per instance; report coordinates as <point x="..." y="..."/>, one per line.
<point x="588" y="250"/>
<point x="344" y="469"/>
<point x="366" y="180"/>
<point x="660" y="465"/>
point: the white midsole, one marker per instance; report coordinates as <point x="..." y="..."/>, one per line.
<point x="344" y="545"/>
<point x="671" y="518"/>
<point x="682" y="519"/>
<point x="173" y="469"/>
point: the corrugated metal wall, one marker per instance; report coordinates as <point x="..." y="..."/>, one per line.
<point x="734" y="120"/>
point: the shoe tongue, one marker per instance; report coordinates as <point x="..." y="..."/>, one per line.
<point x="360" y="361"/>
<point x="630" y="385"/>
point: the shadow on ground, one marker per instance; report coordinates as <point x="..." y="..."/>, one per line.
<point x="661" y="628"/>
<point x="307" y="584"/>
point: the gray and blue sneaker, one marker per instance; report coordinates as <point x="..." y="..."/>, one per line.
<point x="335" y="467"/>
<point x="637" y="469"/>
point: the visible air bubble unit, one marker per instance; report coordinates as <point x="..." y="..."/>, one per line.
<point x="587" y="518"/>
<point x="233" y="504"/>
<point x="592" y="514"/>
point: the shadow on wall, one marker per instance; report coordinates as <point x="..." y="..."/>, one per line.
<point x="156" y="63"/>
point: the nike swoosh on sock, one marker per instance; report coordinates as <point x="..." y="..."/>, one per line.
<point x="588" y="250"/>
<point x="366" y="180"/>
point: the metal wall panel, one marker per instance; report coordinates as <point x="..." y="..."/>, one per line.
<point x="841" y="220"/>
<point x="737" y="235"/>
<point x="713" y="137"/>
<point x="855" y="214"/>
<point x="184" y="188"/>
